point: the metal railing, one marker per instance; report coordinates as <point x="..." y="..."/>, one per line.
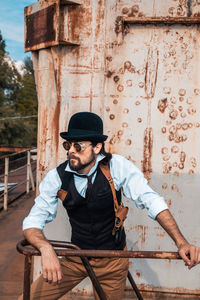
<point x="14" y="172"/>
<point x="69" y="249"/>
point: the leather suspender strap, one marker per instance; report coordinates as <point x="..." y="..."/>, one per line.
<point x="120" y="211"/>
<point x="106" y="171"/>
<point x="62" y="194"/>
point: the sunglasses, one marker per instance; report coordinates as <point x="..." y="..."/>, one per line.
<point x="79" y="146"/>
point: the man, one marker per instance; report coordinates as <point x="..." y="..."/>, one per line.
<point x="89" y="204"/>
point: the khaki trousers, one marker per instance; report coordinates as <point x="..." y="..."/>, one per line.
<point x="111" y="273"/>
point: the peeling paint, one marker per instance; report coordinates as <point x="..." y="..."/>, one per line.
<point x="147" y="152"/>
<point x="151" y="72"/>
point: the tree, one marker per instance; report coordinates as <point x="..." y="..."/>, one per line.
<point x="26" y="101"/>
<point x="9" y="76"/>
<point x="18" y="98"/>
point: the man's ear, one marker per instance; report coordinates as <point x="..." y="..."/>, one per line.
<point x="97" y="148"/>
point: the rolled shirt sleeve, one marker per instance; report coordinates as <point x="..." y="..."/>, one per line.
<point x="135" y="187"/>
<point x="45" y="207"/>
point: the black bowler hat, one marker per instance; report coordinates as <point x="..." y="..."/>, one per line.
<point x="85" y="126"/>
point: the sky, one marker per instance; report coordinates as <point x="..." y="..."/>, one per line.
<point x="12" y="26"/>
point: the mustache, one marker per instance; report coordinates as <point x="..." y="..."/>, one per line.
<point x="72" y="157"/>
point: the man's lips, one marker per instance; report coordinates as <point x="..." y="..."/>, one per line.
<point x="73" y="158"/>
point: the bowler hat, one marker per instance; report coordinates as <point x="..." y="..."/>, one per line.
<point x="85" y="126"/>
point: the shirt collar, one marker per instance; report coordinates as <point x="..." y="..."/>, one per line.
<point x="99" y="158"/>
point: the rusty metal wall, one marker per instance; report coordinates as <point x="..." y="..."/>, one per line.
<point x="143" y="81"/>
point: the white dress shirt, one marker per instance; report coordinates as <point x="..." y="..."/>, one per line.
<point x="125" y="175"/>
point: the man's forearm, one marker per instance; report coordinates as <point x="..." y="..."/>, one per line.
<point x="36" y="237"/>
<point x="166" y="220"/>
<point x="51" y="268"/>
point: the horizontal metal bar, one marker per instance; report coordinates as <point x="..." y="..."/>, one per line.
<point x="24" y="248"/>
<point x="14" y="154"/>
<point x="13" y="171"/>
<point x="13" y="149"/>
<point x="162" y="20"/>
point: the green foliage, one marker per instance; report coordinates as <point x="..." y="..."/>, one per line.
<point x="18" y="98"/>
<point x="27" y="92"/>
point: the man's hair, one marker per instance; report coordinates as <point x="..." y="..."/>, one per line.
<point x="107" y="155"/>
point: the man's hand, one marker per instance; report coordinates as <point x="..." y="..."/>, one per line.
<point x="190" y="254"/>
<point x="51" y="268"/>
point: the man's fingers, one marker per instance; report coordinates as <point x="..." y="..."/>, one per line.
<point x="195" y="256"/>
<point x="191" y="255"/>
<point x="55" y="278"/>
<point x="52" y="276"/>
<point x="184" y="257"/>
<point x="45" y="275"/>
<point x="59" y="275"/>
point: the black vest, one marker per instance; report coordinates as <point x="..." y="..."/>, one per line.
<point x="92" y="219"/>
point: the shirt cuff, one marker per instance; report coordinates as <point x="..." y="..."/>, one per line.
<point x="31" y="223"/>
<point x="156" y="207"/>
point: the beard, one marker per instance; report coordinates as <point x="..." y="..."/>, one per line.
<point x="80" y="166"/>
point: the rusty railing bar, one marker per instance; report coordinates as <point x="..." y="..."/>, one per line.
<point x="93" y="278"/>
<point x="27" y="277"/>
<point x="21" y="247"/>
<point x="134" y="286"/>
<point x="162" y="20"/>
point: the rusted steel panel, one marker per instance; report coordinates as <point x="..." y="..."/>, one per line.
<point x="40" y="27"/>
<point x="144" y="82"/>
<point x="44" y="25"/>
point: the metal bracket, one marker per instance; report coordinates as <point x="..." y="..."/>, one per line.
<point x="45" y="27"/>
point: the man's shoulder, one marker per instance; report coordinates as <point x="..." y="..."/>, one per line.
<point x="120" y="162"/>
<point x="118" y="158"/>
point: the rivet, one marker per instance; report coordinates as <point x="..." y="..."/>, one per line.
<point x="174" y="149"/>
<point x="125" y="125"/>
<point x="182" y="92"/>
<point x="128" y="142"/>
<point x="120" y="88"/>
<point x="163" y="129"/>
<point x="164" y="150"/>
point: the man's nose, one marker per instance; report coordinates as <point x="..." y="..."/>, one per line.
<point x="72" y="149"/>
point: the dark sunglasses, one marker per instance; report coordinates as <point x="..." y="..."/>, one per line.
<point x="79" y="146"/>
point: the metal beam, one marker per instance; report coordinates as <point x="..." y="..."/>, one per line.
<point x="70" y="2"/>
<point x="162" y="20"/>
